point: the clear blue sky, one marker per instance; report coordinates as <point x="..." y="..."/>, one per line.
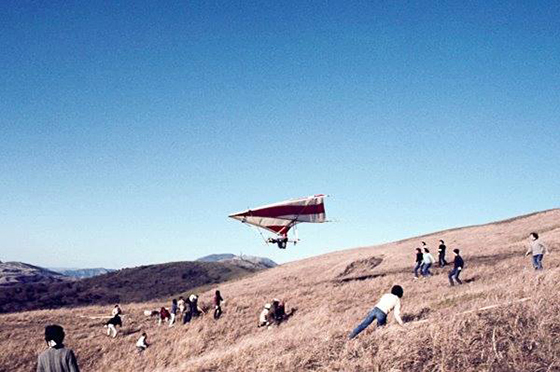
<point x="130" y="130"/>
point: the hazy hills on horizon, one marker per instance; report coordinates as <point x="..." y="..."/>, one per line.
<point x="27" y="290"/>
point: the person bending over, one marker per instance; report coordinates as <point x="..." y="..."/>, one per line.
<point x="388" y="302"/>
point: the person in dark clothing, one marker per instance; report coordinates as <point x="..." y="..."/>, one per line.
<point x="195" y="309"/>
<point x="56" y="358"/>
<point x="217" y="305"/>
<point x="458" y="265"/>
<point x="419" y="259"/>
<point x="112" y="325"/>
<point x="441" y="256"/>
<point x="187" y="316"/>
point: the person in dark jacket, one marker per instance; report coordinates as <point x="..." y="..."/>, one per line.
<point x="217" y="304"/>
<point x="419" y="260"/>
<point x="187" y="316"/>
<point x="56" y="358"/>
<point x="458" y="265"/>
<point x="112" y="325"/>
<point x="441" y="254"/>
<point x="195" y="309"/>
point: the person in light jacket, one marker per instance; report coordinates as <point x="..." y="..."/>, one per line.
<point x="388" y="302"/>
<point x="538" y="249"/>
<point x="427" y="262"/>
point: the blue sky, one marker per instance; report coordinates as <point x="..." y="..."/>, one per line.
<point x="129" y="131"/>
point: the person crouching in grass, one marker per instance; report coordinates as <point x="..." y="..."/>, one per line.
<point x="388" y="302"/>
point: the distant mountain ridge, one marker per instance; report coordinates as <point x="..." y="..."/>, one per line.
<point x="136" y="284"/>
<point x="15" y="273"/>
<point x="82" y="273"/>
<point x="243" y="260"/>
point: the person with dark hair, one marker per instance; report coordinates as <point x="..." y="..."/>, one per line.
<point x="56" y="358"/>
<point x="142" y="343"/>
<point x="458" y="265"/>
<point x="538" y="249"/>
<point x="217" y="304"/>
<point x="164" y="315"/>
<point x="427" y="261"/>
<point x="388" y="302"/>
<point x="441" y="254"/>
<point x="112" y="325"/>
<point x="419" y="260"/>
<point x="195" y="309"/>
<point x="116" y="310"/>
<point x="187" y="316"/>
<point x="173" y="312"/>
<point x="181" y="305"/>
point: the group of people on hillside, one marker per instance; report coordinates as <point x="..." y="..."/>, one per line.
<point x="274" y="313"/>
<point x="425" y="260"/>
<point x="188" y="309"/>
<point x="57" y="358"/>
<point x="391" y="301"/>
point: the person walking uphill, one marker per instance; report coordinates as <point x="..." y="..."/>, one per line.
<point x="427" y="261"/>
<point x="173" y="312"/>
<point x="388" y="302"/>
<point x="419" y="260"/>
<point x="458" y="265"/>
<point x="217" y="305"/>
<point x="56" y="358"/>
<point x="538" y="249"/>
<point x="441" y="254"/>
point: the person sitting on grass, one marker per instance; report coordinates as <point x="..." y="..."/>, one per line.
<point x="388" y="302"/>
<point x="457" y="267"/>
<point x="56" y="358"/>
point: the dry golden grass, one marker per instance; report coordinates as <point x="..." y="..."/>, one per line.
<point x="521" y="336"/>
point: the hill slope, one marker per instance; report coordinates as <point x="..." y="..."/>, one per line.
<point x="142" y="283"/>
<point x="244" y="260"/>
<point x="333" y="292"/>
<point x="82" y="273"/>
<point x="15" y="273"/>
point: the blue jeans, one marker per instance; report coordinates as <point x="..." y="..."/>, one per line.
<point x="454" y="274"/>
<point x="416" y="268"/>
<point x="426" y="269"/>
<point x="376" y="313"/>
<point x="537" y="261"/>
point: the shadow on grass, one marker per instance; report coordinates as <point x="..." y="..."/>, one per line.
<point x="422" y="314"/>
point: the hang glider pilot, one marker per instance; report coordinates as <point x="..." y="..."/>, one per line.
<point x="282" y="241"/>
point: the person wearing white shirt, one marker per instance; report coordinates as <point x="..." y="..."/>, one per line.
<point x="142" y="343"/>
<point x="388" y="302"/>
<point x="427" y="263"/>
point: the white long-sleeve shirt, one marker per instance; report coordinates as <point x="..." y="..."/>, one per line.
<point x="142" y="342"/>
<point x="428" y="258"/>
<point x="388" y="302"/>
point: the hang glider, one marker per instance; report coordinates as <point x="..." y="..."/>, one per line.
<point x="279" y="218"/>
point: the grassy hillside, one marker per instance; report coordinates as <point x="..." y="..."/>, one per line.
<point x="136" y="284"/>
<point x="332" y="293"/>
